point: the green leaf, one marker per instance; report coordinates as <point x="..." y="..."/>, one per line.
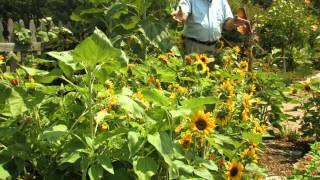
<point x="4" y="95"/>
<point x="180" y="112"/>
<point x="97" y="48"/>
<point x="66" y="63"/>
<point x="106" y="135"/>
<point x="204" y="173"/>
<point x="105" y="162"/>
<point x="70" y="158"/>
<point x="55" y="132"/>
<point x="16" y="103"/>
<point x="207" y="163"/>
<point x="145" y="167"/>
<point x="198" y="102"/>
<point x="182" y="166"/>
<point x="256" y="169"/>
<point x="95" y="172"/>
<point x="135" y="142"/>
<point x="162" y="142"/>
<point x="4" y="174"/>
<point x="131" y="106"/>
<point x="34" y="72"/>
<point x="48" y="78"/>
<point x="252" y="137"/>
<point x="154" y="96"/>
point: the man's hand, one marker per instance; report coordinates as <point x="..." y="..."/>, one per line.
<point x="236" y="22"/>
<point x="179" y="15"/>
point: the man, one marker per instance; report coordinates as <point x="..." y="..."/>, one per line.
<point x="204" y="21"/>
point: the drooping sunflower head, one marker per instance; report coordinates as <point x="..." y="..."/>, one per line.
<point x="234" y="170"/>
<point x="202" y="122"/>
<point x="186" y="140"/>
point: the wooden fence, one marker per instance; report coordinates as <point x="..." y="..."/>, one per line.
<point x="8" y="43"/>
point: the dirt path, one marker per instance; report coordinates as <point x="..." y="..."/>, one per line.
<point x="280" y="155"/>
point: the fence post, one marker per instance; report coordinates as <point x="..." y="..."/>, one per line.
<point x="1" y="31"/>
<point x="10" y="27"/>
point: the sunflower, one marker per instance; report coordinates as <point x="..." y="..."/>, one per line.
<point x="237" y="49"/>
<point x="259" y="129"/>
<point x="307" y="87"/>
<point x="245" y="115"/>
<point x="104" y="126"/>
<point x="250" y="153"/>
<point x="188" y="59"/>
<point x="253" y="88"/>
<point x="202" y="67"/>
<point x="202" y="122"/>
<point x="186" y="140"/>
<point x="246" y="101"/>
<point x="202" y="57"/>
<point x="243" y="66"/>
<point x="170" y="53"/>
<point x="293" y="91"/>
<point x="234" y="170"/>
<point x="230" y="88"/>
<point x="164" y="58"/>
<point x="1" y="58"/>
<point x="223" y="116"/>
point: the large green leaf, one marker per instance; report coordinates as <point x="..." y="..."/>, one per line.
<point x="204" y="173"/>
<point x="34" y="72"/>
<point x="97" y="48"/>
<point x="4" y="174"/>
<point x="106" y="135"/>
<point x="162" y="142"/>
<point x="145" y="167"/>
<point x="55" y="132"/>
<point x="131" y="106"/>
<point x="4" y="95"/>
<point x="156" y="97"/>
<point x="16" y="103"/>
<point x="135" y="142"/>
<point x="105" y="162"/>
<point x="182" y="166"/>
<point x="66" y="63"/>
<point x="49" y="78"/>
<point x="198" y="102"/>
<point x="95" y="172"/>
<point x="252" y="137"/>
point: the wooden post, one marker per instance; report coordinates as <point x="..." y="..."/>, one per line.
<point x="10" y="27"/>
<point x="1" y="31"/>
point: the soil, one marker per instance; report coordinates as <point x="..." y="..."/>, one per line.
<point x="279" y="155"/>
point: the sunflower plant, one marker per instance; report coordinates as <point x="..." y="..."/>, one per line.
<point x="110" y="117"/>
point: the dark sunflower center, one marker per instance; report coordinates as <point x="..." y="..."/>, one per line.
<point x="307" y="88"/>
<point x="203" y="59"/>
<point x="186" y="143"/>
<point x="201" y="124"/>
<point x="222" y="113"/>
<point x="199" y="67"/>
<point x="234" y="171"/>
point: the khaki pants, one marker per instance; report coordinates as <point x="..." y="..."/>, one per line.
<point x="195" y="47"/>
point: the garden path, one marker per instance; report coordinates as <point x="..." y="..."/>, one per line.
<point x="279" y="154"/>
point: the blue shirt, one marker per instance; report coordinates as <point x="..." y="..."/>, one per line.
<point x="205" y="18"/>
